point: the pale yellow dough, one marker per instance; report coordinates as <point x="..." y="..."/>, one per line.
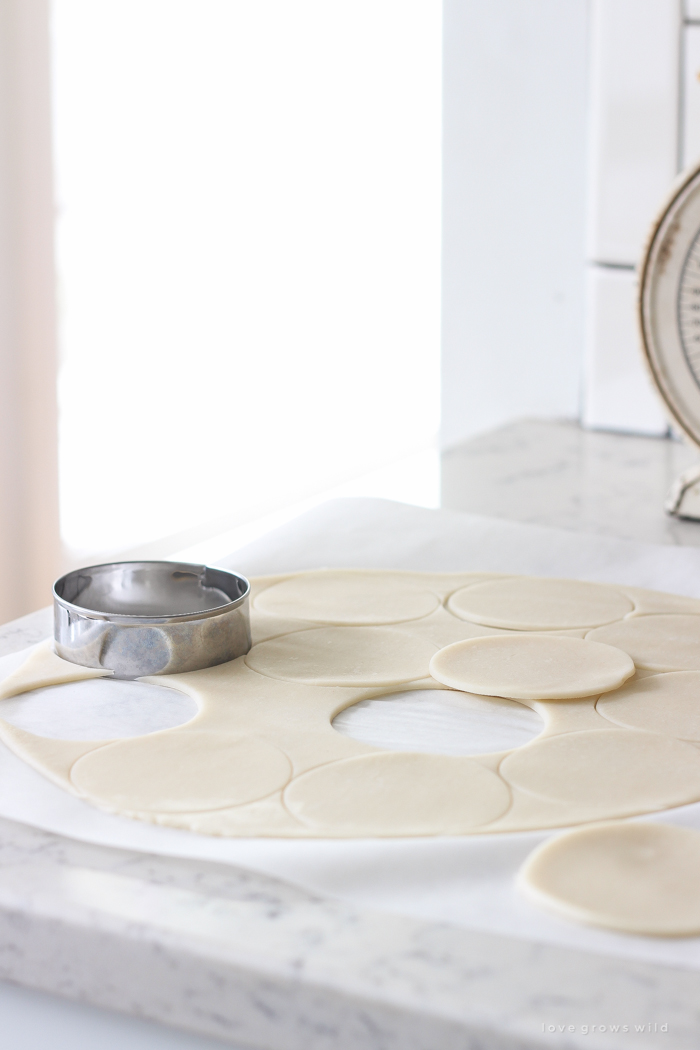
<point x="261" y="757"/>
<point x="625" y="770"/>
<point x="662" y="703"/>
<point x="181" y="770"/>
<point x="527" y="603"/>
<point x="41" y="668"/>
<point x="531" y="667"/>
<point x="668" y="642"/>
<point x="639" y="878"/>
<point x="344" y="656"/>
<point x="346" y="597"/>
<point x="412" y="794"/>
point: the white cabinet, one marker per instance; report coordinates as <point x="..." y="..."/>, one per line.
<point x="634" y="121"/>
<point x="618" y="392"/>
<point x="514" y="162"/>
<point x="690" y="110"/>
<point x="635" y="107"/>
<point x="530" y="225"/>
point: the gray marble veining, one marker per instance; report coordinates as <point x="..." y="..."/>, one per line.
<point x="557" y="474"/>
<point x="28" y="630"/>
<point x="251" y="960"/>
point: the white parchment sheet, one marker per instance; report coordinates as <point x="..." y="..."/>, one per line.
<point x="466" y="881"/>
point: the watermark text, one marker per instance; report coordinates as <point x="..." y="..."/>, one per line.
<point x="586" y="1029"/>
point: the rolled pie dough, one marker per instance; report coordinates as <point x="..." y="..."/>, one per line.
<point x="635" y="877"/>
<point x="261" y="756"/>
<point x="669" y="642"/>
<point x="346" y="596"/>
<point x="344" y="656"/>
<point x="413" y="794"/>
<point x="623" y="769"/>
<point x="661" y="703"/>
<point x="527" y="603"/>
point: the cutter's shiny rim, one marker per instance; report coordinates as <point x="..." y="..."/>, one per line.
<point x="134" y="618"/>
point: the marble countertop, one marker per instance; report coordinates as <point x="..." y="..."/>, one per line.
<point x="255" y="962"/>
<point x="557" y="474"/>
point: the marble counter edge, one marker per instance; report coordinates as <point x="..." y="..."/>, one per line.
<point x="246" y="958"/>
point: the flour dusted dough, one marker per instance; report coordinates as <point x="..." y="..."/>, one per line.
<point x="344" y="596"/>
<point x="662" y="703"/>
<point x="413" y="794"/>
<point x="640" y="878"/>
<point x="344" y="656"/>
<point x="531" y="667"/>
<point x="527" y="603"/>
<point x="669" y="642"/>
<point x="261" y="756"/>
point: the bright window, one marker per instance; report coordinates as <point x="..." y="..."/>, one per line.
<point x="248" y="255"/>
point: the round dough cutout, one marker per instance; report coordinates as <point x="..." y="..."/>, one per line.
<point x="348" y="597"/>
<point x="398" y="794"/>
<point x="531" y="667"/>
<point x="662" y="703"/>
<point x="616" y="772"/>
<point x="183" y="771"/>
<point x="665" y="642"/>
<point x="528" y="603"/>
<point x="344" y="656"/>
<point x="639" y="878"/>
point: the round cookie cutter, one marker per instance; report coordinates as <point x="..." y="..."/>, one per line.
<point x="151" y="617"/>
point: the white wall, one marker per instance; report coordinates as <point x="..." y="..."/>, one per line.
<point x="515" y="86"/>
<point x="633" y="159"/>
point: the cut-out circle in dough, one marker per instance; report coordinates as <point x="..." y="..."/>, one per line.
<point x="662" y="703"/>
<point x="636" y="877"/>
<point x="531" y="667"/>
<point x="181" y="771"/>
<point x="528" y="603"/>
<point x="665" y="642"/>
<point x="347" y="597"/>
<point x="98" y="709"/>
<point x="398" y="794"/>
<point x="344" y="656"/>
<point x="440" y="722"/>
<point x="622" y="771"/>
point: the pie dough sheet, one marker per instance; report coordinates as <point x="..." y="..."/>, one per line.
<point x="185" y="770"/>
<point x="261" y="756"/>
<point x="624" y="770"/>
<point x="412" y="794"/>
<point x="531" y="667"/>
<point x="44" y="668"/>
<point x="640" y="878"/>
<point x="349" y="597"/>
<point x="666" y="642"/>
<point x="661" y="703"/>
<point x="526" y="603"/>
<point x="344" y="656"/>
